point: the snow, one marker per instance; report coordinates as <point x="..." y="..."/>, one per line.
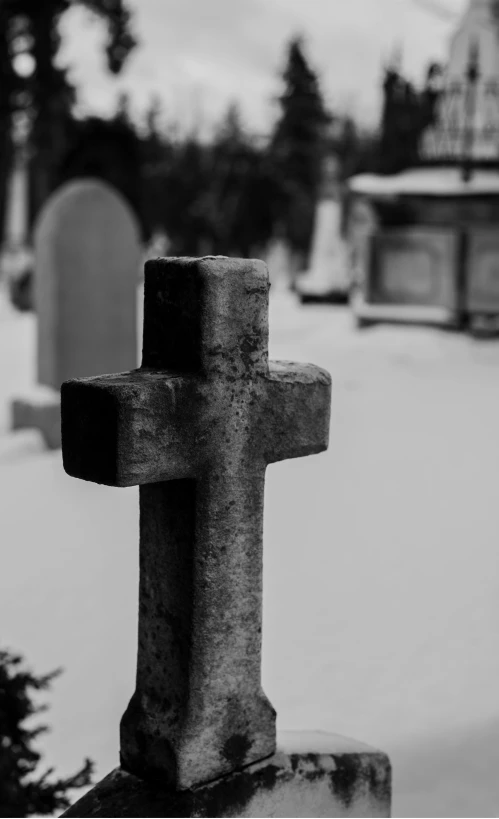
<point x="436" y="181"/>
<point x="381" y="562"/>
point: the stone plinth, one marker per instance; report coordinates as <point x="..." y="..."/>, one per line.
<point x="311" y="774"/>
<point x="432" y="256"/>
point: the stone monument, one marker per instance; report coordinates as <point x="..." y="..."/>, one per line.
<point x="87" y="258"/>
<point x="280" y="264"/>
<point x="327" y="279"/>
<point x="195" y="427"/>
<point x="435" y="255"/>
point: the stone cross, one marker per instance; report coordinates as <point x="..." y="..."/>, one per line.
<point x="195" y="427"/>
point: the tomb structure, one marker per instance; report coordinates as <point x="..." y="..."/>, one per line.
<point x="432" y="252"/>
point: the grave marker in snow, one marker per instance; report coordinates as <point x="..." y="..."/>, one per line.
<point x="87" y="257"/>
<point x="195" y="427"/>
<point x="328" y="277"/>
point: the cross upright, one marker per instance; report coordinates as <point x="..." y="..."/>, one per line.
<point x="195" y="427"/>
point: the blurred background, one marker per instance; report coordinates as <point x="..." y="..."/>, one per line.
<point x="355" y="148"/>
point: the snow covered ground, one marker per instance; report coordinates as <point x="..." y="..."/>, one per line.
<point x="381" y="562"/>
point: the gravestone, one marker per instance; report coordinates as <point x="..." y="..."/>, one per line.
<point x="87" y="257"/>
<point x="328" y="277"/>
<point x="280" y="263"/>
<point x="195" y="427"/>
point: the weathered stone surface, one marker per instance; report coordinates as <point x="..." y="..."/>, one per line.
<point x="311" y="774"/>
<point x="195" y="427"/>
<point x="87" y="256"/>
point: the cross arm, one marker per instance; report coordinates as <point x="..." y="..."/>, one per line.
<point x="297" y="411"/>
<point x="129" y="429"/>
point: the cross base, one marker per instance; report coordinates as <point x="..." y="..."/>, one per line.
<point x="40" y="410"/>
<point x="312" y="774"/>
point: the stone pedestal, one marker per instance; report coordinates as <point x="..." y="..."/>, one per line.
<point x="433" y="255"/>
<point x="311" y="774"/>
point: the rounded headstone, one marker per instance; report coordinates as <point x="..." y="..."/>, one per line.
<point x="87" y="257"/>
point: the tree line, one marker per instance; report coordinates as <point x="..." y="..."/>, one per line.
<point x="229" y="194"/>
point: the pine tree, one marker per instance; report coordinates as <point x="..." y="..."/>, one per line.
<point x="31" y="28"/>
<point x="407" y="111"/>
<point x="208" y="196"/>
<point x="240" y="195"/>
<point x="180" y="185"/>
<point x="23" y="791"/>
<point x="107" y="149"/>
<point x="296" y="148"/>
<point x="156" y="148"/>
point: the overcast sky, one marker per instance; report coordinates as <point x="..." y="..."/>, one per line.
<point x="198" y="55"/>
